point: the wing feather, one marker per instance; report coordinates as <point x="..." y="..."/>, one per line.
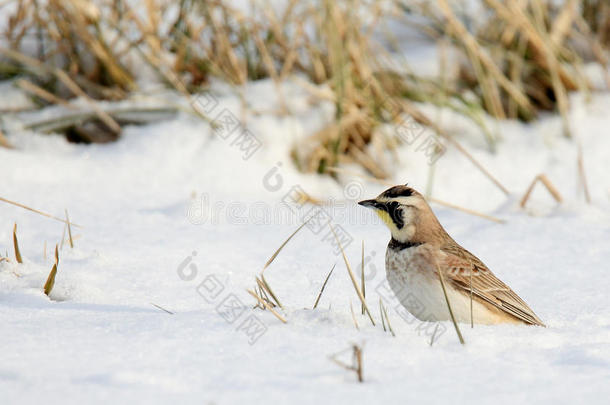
<point x="460" y="263"/>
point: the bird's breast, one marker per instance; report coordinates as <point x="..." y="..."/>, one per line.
<point x="412" y="280"/>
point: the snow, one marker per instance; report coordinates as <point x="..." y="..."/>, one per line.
<point x="168" y="189"/>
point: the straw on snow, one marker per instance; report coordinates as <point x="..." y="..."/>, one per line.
<point x="351" y="275"/>
<point x="324" y="286"/>
<point x="266" y="305"/>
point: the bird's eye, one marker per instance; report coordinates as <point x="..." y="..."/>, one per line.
<point x="392" y="205"/>
<point x="395" y="212"/>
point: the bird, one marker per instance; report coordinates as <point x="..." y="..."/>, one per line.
<point x="420" y="249"/>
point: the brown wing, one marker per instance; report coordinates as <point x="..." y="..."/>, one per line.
<point x="460" y="263"/>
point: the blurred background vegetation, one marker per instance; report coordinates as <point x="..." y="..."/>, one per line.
<point x="509" y="60"/>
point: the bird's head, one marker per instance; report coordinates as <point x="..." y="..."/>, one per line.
<point x="405" y="212"/>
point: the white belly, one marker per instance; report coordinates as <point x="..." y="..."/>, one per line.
<point x="418" y="288"/>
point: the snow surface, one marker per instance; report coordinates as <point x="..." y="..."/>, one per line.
<point x="166" y="190"/>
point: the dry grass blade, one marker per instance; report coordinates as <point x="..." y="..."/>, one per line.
<point x="351" y="308"/>
<point x="272" y="258"/>
<point x="266" y="305"/>
<point x="74" y="88"/>
<point x="263" y="294"/>
<point x="467" y="211"/>
<point x="547" y="184"/>
<point x="512" y="13"/>
<point x="474" y="49"/>
<point x="455" y="325"/>
<point x="563" y="22"/>
<point x="582" y="175"/>
<point x="387" y="318"/>
<point x="262" y="283"/>
<point x="367" y="162"/>
<point x="16" y="245"/>
<point x="36" y="211"/>
<point x="33" y="64"/>
<point x="478" y="59"/>
<point x="42" y="93"/>
<point x="261" y="291"/>
<point x="324" y="286"/>
<point x="356" y="361"/>
<point x="67" y="81"/>
<point x="69" y="230"/>
<point x="63" y="238"/>
<point x="554" y="66"/>
<point x="340" y="170"/>
<point x="161" y="308"/>
<point x="50" y="283"/>
<point x="351" y="276"/>
<point x="270" y="291"/>
<point x="475" y="162"/>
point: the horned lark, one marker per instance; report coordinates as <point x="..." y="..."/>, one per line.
<point x="420" y="248"/>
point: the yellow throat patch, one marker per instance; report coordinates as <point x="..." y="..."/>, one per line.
<point x="385" y="217"/>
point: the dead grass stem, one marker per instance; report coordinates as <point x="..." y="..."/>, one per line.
<point x="50" y="283"/>
<point x="267" y="306"/>
<point x="547" y="184"/>
<point x="69" y="230"/>
<point x="351" y="276"/>
<point x="351" y="308"/>
<point x="356" y="365"/>
<point x="315" y="305"/>
<point x="37" y="211"/>
<point x="384" y="314"/>
<point x="455" y="325"/>
<point x="161" y="308"/>
<point x="16" y="245"/>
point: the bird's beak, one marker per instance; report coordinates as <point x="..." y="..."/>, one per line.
<point x="369" y="203"/>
